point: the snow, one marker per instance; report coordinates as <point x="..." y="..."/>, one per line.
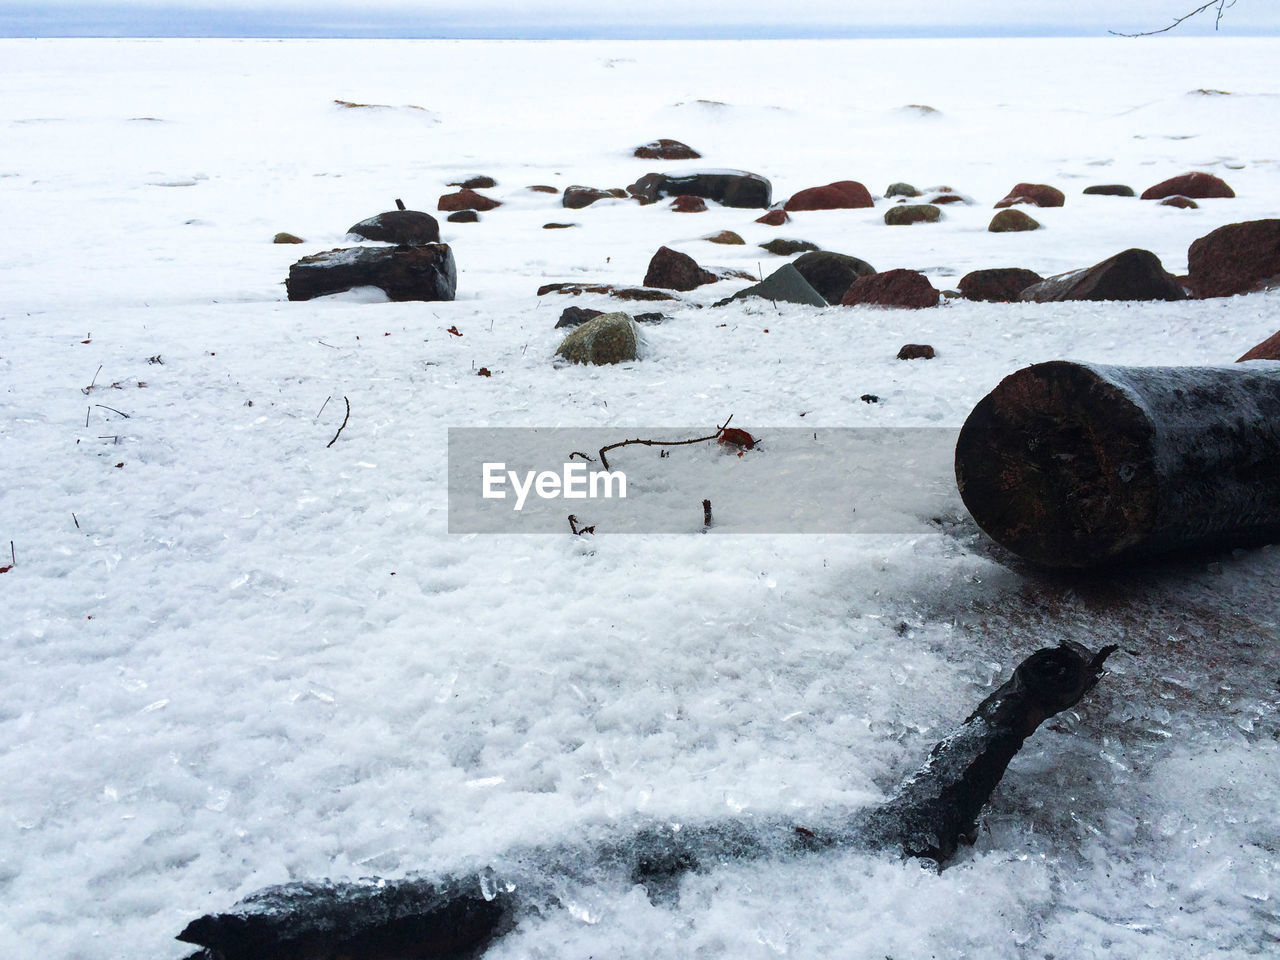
<point x="233" y="656"/>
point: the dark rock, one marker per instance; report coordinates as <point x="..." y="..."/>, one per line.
<point x="1110" y="190"/>
<point x="608" y="338"/>
<point x="841" y="195"/>
<point x="399" y="226"/>
<point x="424" y="272"/>
<point x="916" y="351"/>
<point x="689" y="204"/>
<point x="831" y="273"/>
<point x="466" y="200"/>
<point x="618" y="293"/>
<point x="286" y="238"/>
<point x="480" y="182"/>
<point x="664" y="149"/>
<point x="901" y="190"/>
<point x="672" y="270"/>
<point x="577" y="316"/>
<point x="1131" y="275"/>
<point x="774" y="218"/>
<point x="464" y="216"/>
<point x="650" y="318"/>
<point x="869" y="398"/>
<point x="576" y="197"/>
<point x="558" y="226"/>
<point x="1196" y="184"/>
<point x="1036" y="194"/>
<point x="784" y="285"/>
<point x="1012" y="221"/>
<point x="893" y="288"/>
<point x="1182" y="203"/>
<point x="617" y="193"/>
<point x="732" y="188"/>
<point x="909" y="213"/>
<point x="543" y="188"/>
<point x="1268" y="349"/>
<point x="726" y="237"/>
<point x="1237" y="258"/>
<point x="785" y="248"/>
<point x="948" y="198"/>
<point x="998" y="285"/>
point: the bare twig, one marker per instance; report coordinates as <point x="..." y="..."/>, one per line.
<point x="73" y="518"/>
<point x="582" y="455"/>
<point x="1217" y="19"/>
<point x="323" y="405"/>
<point x="577" y="530"/>
<point x="706" y="513"/>
<point x="87" y="411"/>
<point x="604" y="461"/>
<point x="93" y="381"/>
<point x="112" y="409"/>
<point x="13" y="557"/>
<point x="344" y="423"/>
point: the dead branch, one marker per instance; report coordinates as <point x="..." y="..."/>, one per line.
<point x="577" y="530"/>
<point x="604" y="461"/>
<point x="582" y="455"/>
<point x="344" y="423"/>
<point x="113" y="410"/>
<point x="1217" y="19"/>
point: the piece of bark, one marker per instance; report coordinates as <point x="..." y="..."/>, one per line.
<point x="1077" y="465"/>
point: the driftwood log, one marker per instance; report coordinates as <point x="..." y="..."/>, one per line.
<point x="933" y="811"/>
<point x="1076" y="465"/>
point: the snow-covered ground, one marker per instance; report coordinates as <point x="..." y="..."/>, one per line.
<point x="231" y="656"/>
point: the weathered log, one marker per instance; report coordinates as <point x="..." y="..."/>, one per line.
<point x="932" y="812"/>
<point x="1077" y="465"/>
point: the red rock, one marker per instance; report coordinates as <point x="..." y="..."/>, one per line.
<point x="1268" y="349"/>
<point x="892" y="288"/>
<point x="664" y="149"/>
<point x="841" y="195"/>
<point x="467" y="199"/>
<point x="1196" y="184"/>
<point x="1235" y="259"/>
<point x="478" y="182"/>
<point x="1037" y="194"/>
<point x="576" y="197"/>
<point x="1001" y="284"/>
<point x="947" y="198"/>
<point x="774" y="218"/>
<point x="688" y="204"/>
<point x="543" y="188"/>
<point x="1133" y="274"/>
<point x="671" y="270"/>
<point x="1179" y="201"/>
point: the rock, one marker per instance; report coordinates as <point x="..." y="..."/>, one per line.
<point x="671" y="270"/>
<point x="1196" y="184"/>
<point x="1012" y="221"/>
<point x="908" y="213"/>
<point x="785" y="248"/>
<point x="688" y="204"/>
<point x="892" y="288"/>
<point x="948" y="198"/>
<point x="479" y="182"/>
<point x="650" y="318"/>
<point x="869" y="398"/>
<point x="617" y="193"/>
<point x="774" y="218"/>
<point x="732" y="188"/>
<point x="1110" y="190"/>
<point x="464" y="216"/>
<point x="841" y="195"/>
<point x="576" y="197"/>
<point x="784" y="285"/>
<point x="664" y="149"/>
<point x="1268" y="349"/>
<point x="1237" y="258"/>
<point x="286" y="238"/>
<point x="1181" y="202"/>
<point x="1036" y="194"/>
<point x="399" y="226"/>
<point x="831" y="273"/>
<point x="618" y="293"/>
<point x="543" y="188"/>
<point x="558" y="226"/>
<point x="608" y="338"/>
<point x="1131" y="275"/>
<point x="466" y="200"/>
<point x="577" y="316"/>
<point x="998" y="285"/>
<point x="424" y="272"/>
<point x="726" y="237"/>
<point x="916" y="351"/>
<point x="901" y="190"/>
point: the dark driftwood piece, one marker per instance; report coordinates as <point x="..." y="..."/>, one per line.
<point x="1073" y="465"/>
<point x="933" y="811"/>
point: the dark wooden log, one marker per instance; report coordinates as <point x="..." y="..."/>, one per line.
<point x="932" y="812"/>
<point x="1076" y="465"/>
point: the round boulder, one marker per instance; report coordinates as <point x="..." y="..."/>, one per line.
<point x="411" y="227"/>
<point x="664" y="149"/>
<point x="997" y="285"/>
<point x="901" y="190"/>
<point x="687" y="204"/>
<point x="893" y="288"/>
<point x="841" y="195"/>
<point x="1110" y="190"/>
<point x="1036" y="194"/>
<point x="1197" y="184"/>
<point x="1012" y="221"/>
<point x="608" y="338"/>
<point x="908" y="213"/>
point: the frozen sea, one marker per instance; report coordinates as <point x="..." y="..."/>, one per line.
<point x="231" y="656"/>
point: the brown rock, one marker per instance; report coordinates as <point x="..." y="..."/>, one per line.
<point x="671" y="270"/>
<point x="480" y="182"/>
<point x="909" y="213"/>
<point x="1036" y="194"/>
<point x="732" y="188"/>
<point x="424" y="272"/>
<point x="1182" y="203"/>
<point x="1196" y="184"/>
<point x="287" y="238"/>
<point x="841" y="195"/>
<point x="785" y="248"/>
<point x="1237" y="258"/>
<point x="543" y="188"/>
<point x="1268" y="349"/>
<point x="998" y="285"/>
<point x="916" y="351"/>
<point x="466" y="199"/>
<point x="1012" y="221"/>
<point x="576" y="316"/>
<point x="464" y="216"/>
<point x="687" y="204"/>
<point x="664" y="149"/>
<point x="1110" y="190"/>
<point x="558" y="226"/>
<point x="619" y="293"/>
<point x="1131" y="275"/>
<point x="892" y="288"/>
<point x="774" y="218"/>
<point x="727" y="237"/>
<point x="399" y="226"/>
<point x="576" y="197"/>
<point x="948" y="198"/>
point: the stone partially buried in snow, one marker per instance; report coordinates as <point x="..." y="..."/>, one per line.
<point x="906" y="214"/>
<point x="424" y="272"/>
<point x="685" y="203"/>
<point x="1237" y="258"/>
<point x="916" y="351"/>
<point x="671" y="270"/>
<point x="1110" y="190"/>
<point x="1036" y="194"/>
<point x="1196" y="184"/>
<point x="466" y="199"/>
<point x="1179" y="201"/>
<point x="840" y="195"/>
<point x="1133" y="274"/>
<point x="831" y="273"/>
<point x="774" y="218"/>
<point x="608" y="338"/>
<point x="781" y="247"/>
<point x="901" y="190"/>
<point x="399" y="226"/>
<point x="1268" y="349"/>
<point x="664" y="149"/>
<point x="727" y="237"/>
<point x="892" y="288"/>
<point x="577" y="196"/>
<point x="1012" y="221"/>
<point x="784" y="285"/>
<point x="997" y="285"/>
<point x="731" y="188"/>
<point x="577" y="316"/>
<point x="287" y="238"/>
<point x="463" y="216"/>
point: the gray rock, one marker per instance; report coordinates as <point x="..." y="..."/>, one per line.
<point x="901" y="190"/>
<point x="608" y="338"/>
<point x="785" y="285"/>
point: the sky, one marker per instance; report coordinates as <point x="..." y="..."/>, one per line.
<point x="622" y="18"/>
